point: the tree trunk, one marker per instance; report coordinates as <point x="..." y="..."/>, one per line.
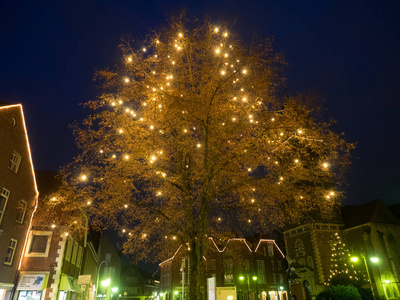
<point x="196" y="267"/>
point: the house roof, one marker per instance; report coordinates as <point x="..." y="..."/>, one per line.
<point x="371" y="212"/>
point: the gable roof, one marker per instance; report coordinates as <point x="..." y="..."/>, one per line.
<point x="371" y="212"/>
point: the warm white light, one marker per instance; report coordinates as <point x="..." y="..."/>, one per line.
<point x="296" y="161"/>
<point x="126" y="205"/>
<point x="130" y="59"/>
<point x="121" y="131"/>
<point x="299" y="131"/>
<point x="244" y="71"/>
<point x="126" y="79"/>
<point x="198" y="145"/>
<point x="83" y="177"/>
<point x="144" y="49"/>
<point x="325" y="165"/>
<point x="225" y="34"/>
<point x="53" y="226"/>
<point x="180" y="34"/>
<point x="88" y="203"/>
<point x="223" y="72"/>
<point x="126" y="156"/>
<point x="216" y="29"/>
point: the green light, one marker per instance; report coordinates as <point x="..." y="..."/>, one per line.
<point x="354" y="259"/>
<point x="374" y="259"/>
<point x="161" y="294"/>
<point x="114" y="289"/>
<point x="106" y="282"/>
<point x="254" y="278"/>
<point x="241" y="277"/>
<point x="176" y="292"/>
<point x="281" y="287"/>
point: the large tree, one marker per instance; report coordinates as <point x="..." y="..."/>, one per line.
<point x="192" y="137"/>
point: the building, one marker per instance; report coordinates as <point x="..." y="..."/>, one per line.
<point x="369" y="231"/>
<point x="109" y="267"/>
<point x="233" y="262"/>
<point x="138" y="284"/>
<point x="18" y="194"/>
<point x="52" y="259"/>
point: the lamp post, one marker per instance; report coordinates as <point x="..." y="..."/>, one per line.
<point x="241" y="278"/>
<point x="98" y="275"/>
<point x="372" y="259"/>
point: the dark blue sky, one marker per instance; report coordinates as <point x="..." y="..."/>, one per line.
<point x="346" y="50"/>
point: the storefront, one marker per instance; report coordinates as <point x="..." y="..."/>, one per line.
<point x="5" y="290"/>
<point x="31" y="286"/>
<point x="68" y="288"/>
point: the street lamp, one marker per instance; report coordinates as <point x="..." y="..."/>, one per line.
<point x="373" y="259"/>
<point x="241" y="278"/>
<point x="98" y="275"/>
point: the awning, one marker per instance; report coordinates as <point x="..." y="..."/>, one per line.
<point x="32" y="282"/>
<point x="69" y="283"/>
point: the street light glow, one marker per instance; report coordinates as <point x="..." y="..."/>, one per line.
<point x="374" y="259"/>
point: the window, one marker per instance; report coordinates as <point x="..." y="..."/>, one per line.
<point x="80" y="256"/>
<point x="228" y="278"/>
<point x="280" y="276"/>
<point x="4" y="195"/>
<point x="246" y="265"/>
<point x="108" y="258"/>
<point x="21" y="211"/>
<point x="213" y="264"/>
<point x="10" y="252"/>
<point x="310" y="262"/>
<point x="272" y="264"/>
<point x="261" y="278"/>
<point x="74" y="253"/>
<point x="260" y="265"/>
<point x="38" y="244"/>
<point x="228" y="266"/>
<point x="70" y="243"/>
<point x="270" y="249"/>
<point x="299" y="248"/>
<point x="274" y="278"/>
<point x="279" y="263"/>
<point x="15" y="162"/>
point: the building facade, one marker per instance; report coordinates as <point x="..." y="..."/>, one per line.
<point x="369" y="231"/>
<point x="257" y="269"/>
<point x="137" y="284"/>
<point x="18" y="194"/>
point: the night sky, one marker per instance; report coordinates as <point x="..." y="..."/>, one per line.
<point x="348" y="51"/>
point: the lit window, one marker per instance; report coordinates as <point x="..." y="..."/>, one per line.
<point x="4" y="195"/>
<point x="21" y="211"/>
<point x="10" y="252"/>
<point x="15" y="162"/>
<point x="228" y="278"/>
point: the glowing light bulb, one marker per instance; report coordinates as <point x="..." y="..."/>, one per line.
<point x="113" y="103"/>
<point x="325" y="165"/>
<point x="216" y="29"/>
<point x="129" y="59"/>
<point x="225" y="34"/>
<point x="180" y="34"/>
<point x="244" y="71"/>
<point x="83" y="177"/>
<point x="198" y="145"/>
<point x="126" y="205"/>
<point x="296" y="161"/>
<point x="223" y="72"/>
<point x="88" y="203"/>
<point x="121" y="131"/>
<point x="299" y="131"/>
<point x="101" y="151"/>
<point x="144" y="49"/>
<point x="126" y="79"/>
<point x="126" y="156"/>
<point x="151" y="127"/>
<point x="123" y="230"/>
<point x="53" y="226"/>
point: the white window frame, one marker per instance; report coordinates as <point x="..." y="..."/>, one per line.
<point x="29" y="244"/>
<point x="14" y="248"/>
<point x="260" y="265"/>
<point x="15" y="162"/>
<point x="5" y="194"/>
<point x="279" y="262"/>
<point x="25" y="204"/>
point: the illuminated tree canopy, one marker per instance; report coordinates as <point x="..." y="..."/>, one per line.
<point x="193" y="138"/>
